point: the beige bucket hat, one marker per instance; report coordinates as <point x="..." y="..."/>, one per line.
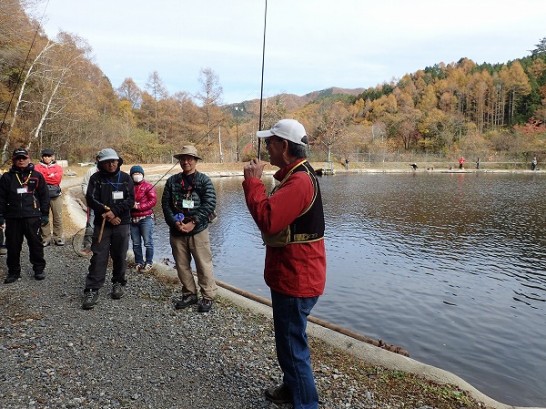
<point x="189" y="150"/>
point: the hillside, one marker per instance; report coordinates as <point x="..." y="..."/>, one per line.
<point x="448" y="110"/>
<point x="291" y="102"/>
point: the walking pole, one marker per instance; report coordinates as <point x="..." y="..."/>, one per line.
<point x="102" y="225"/>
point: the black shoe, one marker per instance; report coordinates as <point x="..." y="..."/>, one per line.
<point x="278" y="394"/>
<point x="204" y="305"/>
<point x="186" y="301"/>
<point x="11" y="279"/>
<point x="39" y="275"/>
<point x="117" y="291"/>
<point x="90" y="298"/>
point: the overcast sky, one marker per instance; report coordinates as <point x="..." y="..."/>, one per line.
<point x="310" y="44"/>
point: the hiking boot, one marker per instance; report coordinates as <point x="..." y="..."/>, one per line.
<point x="117" y="291"/>
<point x="278" y="394"/>
<point x="186" y="301"/>
<point x="204" y="305"/>
<point x="39" y="275"/>
<point x="59" y="242"/>
<point x="146" y="269"/>
<point x="11" y="278"/>
<point x="46" y="243"/>
<point x="90" y="298"/>
<point x="137" y="268"/>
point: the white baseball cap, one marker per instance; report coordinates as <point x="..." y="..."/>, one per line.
<point x="288" y="129"/>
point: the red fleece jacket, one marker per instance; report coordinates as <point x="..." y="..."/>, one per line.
<point x="297" y="269"/>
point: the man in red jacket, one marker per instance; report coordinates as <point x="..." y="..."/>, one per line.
<point x="53" y="174"/>
<point x="291" y="220"/>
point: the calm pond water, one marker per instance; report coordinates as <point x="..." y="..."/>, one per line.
<point x="452" y="267"/>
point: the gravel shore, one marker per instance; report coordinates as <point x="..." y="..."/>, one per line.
<point x="139" y="352"/>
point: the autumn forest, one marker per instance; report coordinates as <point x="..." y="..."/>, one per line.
<point x="53" y="95"/>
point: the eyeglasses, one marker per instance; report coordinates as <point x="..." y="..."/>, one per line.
<point x="21" y="157"/>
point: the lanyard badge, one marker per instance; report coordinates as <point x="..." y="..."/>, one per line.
<point x="187" y="204"/>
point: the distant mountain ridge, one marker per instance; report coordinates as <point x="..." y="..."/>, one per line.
<point x="335" y="91"/>
<point x="293" y="101"/>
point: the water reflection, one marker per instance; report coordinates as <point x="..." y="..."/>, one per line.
<point x="449" y="266"/>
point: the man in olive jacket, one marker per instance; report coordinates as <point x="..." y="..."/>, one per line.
<point x="24" y="208"/>
<point x="188" y="201"/>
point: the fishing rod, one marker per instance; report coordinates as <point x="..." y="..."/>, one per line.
<point x="262" y="83"/>
<point x="165" y="174"/>
<point x="82" y="230"/>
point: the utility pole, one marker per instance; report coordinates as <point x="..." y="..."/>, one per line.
<point x="237" y="151"/>
<point x="220" y="145"/>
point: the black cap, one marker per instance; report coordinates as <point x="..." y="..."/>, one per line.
<point x="20" y="152"/>
<point x="48" y="152"/>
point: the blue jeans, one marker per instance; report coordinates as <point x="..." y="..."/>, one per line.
<point x="290" y="321"/>
<point x="142" y="232"/>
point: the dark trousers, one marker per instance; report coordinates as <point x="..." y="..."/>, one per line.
<point x="114" y="243"/>
<point x="16" y="230"/>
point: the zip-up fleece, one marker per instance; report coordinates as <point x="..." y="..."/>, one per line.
<point x="53" y="173"/>
<point x="33" y="203"/>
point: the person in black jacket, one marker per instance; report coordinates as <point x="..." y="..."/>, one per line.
<point x="24" y="208"/>
<point x="110" y="194"/>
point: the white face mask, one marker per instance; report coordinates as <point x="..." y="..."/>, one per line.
<point x="137" y="178"/>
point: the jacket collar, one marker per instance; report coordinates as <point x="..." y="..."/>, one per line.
<point x="284" y="171"/>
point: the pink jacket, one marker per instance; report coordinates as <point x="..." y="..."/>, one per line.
<point x="145" y="199"/>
